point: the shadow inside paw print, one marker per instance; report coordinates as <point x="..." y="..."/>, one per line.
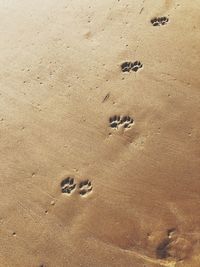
<point x="128" y="66"/>
<point x="121" y="121"/>
<point x="136" y="66"/>
<point x="85" y="187"/>
<point x="159" y="21"/>
<point x="115" y="121"/>
<point x="67" y="185"/>
<point x="127" y="121"/>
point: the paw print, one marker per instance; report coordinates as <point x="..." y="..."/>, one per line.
<point x="67" y="185"/>
<point x="155" y="22"/>
<point x="127" y="121"/>
<point x="163" y="20"/>
<point x="115" y="121"/>
<point x="128" y="66"/>
<point x="136" y="66"/>
<point x="121" y="121"/>
<point x="159" y="21"/>
<point x="85" y="187"/>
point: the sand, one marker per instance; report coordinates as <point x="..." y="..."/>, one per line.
<point x="99" y="164"/>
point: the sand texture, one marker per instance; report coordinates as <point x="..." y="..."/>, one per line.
<point x="99" y="133"/>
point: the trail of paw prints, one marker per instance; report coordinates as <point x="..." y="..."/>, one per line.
<point x="68" y="186"/>
<point x="117" y="122"/>
<point x="85" y="187"/>
<point x="160" y="21"/>
<point x="131" y="66"/>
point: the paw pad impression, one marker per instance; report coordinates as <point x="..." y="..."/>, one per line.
<point x="131" y="66"/>
<point x="85" y="187"/>
<point x="67" y="185"/>
<point x="159" y="21"/>
<point x="121" y="121"/>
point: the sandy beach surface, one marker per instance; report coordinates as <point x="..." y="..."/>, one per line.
<point x="99" y="133"/>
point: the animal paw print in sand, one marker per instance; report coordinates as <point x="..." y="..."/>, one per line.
<point x="85" y="187"/>
<point x="127" y="121"/>
<point x="159" y="21"/>
<point x="128" y="66"/>
<point x="121" y="121"/>
<point x="115" y="121"/>
<point x="136" y="66"/>
<point x="67" y="185"/>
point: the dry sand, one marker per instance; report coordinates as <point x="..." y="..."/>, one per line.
<point x="60" y="84"/>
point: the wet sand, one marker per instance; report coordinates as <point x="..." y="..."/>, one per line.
<point x="100" y="161"/>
